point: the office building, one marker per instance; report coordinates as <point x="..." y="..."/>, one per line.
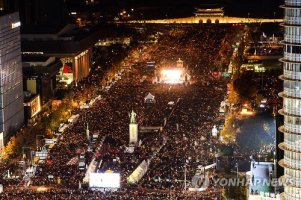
<point x="11" y="86"/>
<point x="291" y="101"/>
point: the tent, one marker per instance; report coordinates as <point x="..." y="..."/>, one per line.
<point x="149" y="98"/>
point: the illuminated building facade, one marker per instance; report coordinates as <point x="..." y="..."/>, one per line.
<point x="82" y="65"/>
<point x="291" y="100"/>
<point x="32" y="105"/>
<point x="39" y="75"/>
<point x="205" y="12"/>
<point x="71" y="45"/>
<point x="75" y="68"/>
<point x="11" y="96"/>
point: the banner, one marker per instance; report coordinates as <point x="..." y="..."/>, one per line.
<point x="138" y="173"/>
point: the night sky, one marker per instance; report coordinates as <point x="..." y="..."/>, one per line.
<point x="256" y="8"/>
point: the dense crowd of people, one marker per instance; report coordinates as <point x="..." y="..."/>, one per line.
<point x="94" y="195"/>
<point x="185" y="138"/>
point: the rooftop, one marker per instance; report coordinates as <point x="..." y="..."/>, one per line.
<point x="34" y="58"/>
<point x="34" y="29"/>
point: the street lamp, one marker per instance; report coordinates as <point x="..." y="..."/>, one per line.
<point x="275" y="162"/>
<point x="216" y="160"/>
<point x="185" y="175"/>
<point x="37" y="136"/>
<point x="185" y="178"/>
<point x="236" y="165"/>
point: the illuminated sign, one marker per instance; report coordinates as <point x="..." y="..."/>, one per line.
<point x="15" y="25"/>
<point x="35" y="106"/>
<point x="1" y="140"/>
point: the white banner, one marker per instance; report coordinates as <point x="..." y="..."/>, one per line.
<point x="138" y="173"/>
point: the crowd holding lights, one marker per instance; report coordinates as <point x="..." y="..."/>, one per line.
<point x="184" y="143"/>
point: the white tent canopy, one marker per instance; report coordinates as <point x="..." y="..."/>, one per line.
<point x="139" y="172"/>
<point x="149" y="98"/>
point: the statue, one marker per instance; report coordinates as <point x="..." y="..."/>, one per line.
<point x="132" y="116"/>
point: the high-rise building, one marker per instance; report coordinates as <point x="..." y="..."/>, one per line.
<point x="11" y="86"/>
<point x="291" y="100"/>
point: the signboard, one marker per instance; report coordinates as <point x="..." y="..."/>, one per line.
<point x="41" y="154"/>
<point x="226" y="75"/>
<point x="1" y="140"/>
<point x="104" y="180"/>
<point x="35" y="106"/>
<point x="49" y="141"/>
<point x="15" y="25"/>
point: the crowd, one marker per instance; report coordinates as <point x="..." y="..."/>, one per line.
<point x="187" y="124"/>
<point x="193" y="119"/>
<point x="127" y="194"/>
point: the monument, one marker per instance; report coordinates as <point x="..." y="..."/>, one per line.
<point x="180" y="63"/>
<point x="133" y="129"/>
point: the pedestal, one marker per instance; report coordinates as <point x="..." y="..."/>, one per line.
<point x="133" y="130"/>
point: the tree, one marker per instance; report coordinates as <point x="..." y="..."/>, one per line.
<point x="11" y="146"/>
<point x="3" y="155"/>
<point x="229" y="131"/>
<point x="235" y="192"/>
<point x="233" y="96"/>
<point x="245" y="86"/>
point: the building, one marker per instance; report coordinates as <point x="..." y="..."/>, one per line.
<point x="209" y="12"/>
<point x="11" y="97"/>
<point x="291" y="101"/>
<point x="261" y="185"/>
<point x="39" y="75"/>
<point x="32" y="106"/>
<point x="71" y="44"/>
<point x="279" y="153"/>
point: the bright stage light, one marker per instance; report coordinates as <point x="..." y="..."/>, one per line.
<point x="171" y="76"/>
